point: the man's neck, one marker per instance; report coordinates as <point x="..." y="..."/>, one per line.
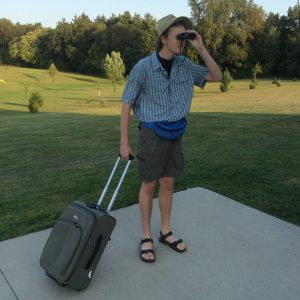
<point x="166" y="54"/>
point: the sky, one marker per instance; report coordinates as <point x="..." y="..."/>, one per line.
<point x="50" y="12"/>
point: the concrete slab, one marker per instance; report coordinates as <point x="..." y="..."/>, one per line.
<point x="5" y="291"/>
<point x="234" y="252"/>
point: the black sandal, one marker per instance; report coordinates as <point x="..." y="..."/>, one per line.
<point x="148" y="240"/>
<point x="173" y="245"/>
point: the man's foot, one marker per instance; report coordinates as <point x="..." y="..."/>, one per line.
<point x="170" y="240"/>
<point x="146" y="251"/>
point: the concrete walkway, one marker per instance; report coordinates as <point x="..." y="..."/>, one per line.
<point x="234" y="252"/>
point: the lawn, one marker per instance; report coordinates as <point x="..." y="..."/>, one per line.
<point x="244" y="144"/>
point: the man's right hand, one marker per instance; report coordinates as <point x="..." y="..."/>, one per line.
<point x="125" y="150"/>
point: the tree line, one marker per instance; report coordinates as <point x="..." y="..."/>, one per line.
<point x="238" y="34"/>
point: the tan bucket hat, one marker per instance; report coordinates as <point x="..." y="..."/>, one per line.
<point x="167" y="21"/>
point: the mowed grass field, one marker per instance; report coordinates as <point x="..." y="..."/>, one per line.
<point x="244" y="144"/>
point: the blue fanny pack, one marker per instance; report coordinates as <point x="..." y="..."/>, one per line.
<point x="168" y="130"/>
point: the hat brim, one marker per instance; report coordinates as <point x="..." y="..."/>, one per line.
<point x="185" y="20"/>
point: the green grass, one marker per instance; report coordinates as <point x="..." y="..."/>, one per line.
<point x="244" y="144"/>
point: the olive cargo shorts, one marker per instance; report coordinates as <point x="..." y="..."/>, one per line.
<point x="158" y="157"/>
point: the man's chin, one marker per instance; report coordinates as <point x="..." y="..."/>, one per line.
<point x="179" y="52"/>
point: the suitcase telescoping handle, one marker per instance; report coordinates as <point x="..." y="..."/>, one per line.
<point x="114" y="196"/>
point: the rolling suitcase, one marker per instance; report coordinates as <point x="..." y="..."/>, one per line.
<point x="79" y="238"/>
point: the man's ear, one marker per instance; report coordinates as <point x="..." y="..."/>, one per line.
<point x="163" y="39"/>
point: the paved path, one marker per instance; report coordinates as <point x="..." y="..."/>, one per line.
<point x="234" y="252"/>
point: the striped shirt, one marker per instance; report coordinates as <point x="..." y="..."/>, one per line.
<point x="156" y="97"/>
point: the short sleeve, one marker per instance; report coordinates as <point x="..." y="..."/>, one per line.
<point x="198" y="73"/>
<point x="133" y="85"/>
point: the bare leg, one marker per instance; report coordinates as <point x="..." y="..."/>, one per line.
<point x="165" y="205"/>
<point x="145" y="201"/>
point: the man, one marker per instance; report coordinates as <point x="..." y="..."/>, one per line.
<point x="159" y="91"/>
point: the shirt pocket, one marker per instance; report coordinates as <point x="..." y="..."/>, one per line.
<point x="183" y="86"/>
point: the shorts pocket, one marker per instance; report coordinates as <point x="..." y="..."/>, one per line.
<point x="144" y="156"/>
<point x="146" y="169"/>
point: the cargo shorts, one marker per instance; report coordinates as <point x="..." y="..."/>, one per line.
<point x="158" y="157"/>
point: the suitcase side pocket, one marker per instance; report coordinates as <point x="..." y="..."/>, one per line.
<point x="94" y="253"/>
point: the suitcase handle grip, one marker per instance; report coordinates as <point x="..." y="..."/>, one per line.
<point x="131" y="157"/>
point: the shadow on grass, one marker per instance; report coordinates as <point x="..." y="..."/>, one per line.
<point x="51" y="159"/>
<point x="30" y="76"/>
<point x="47" y="88"/>
<point x="81" y="79"/>
<point x="15" y="104"/>
<point x="74" y="98"/>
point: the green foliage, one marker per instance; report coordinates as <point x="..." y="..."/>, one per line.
<point x="52" y="71"/>
<point x="237" y="34"/>
<point x="277" y="82"/>
<point x="35" y="102"/>
<point x="252" y="85"/>
<point x="257" y="69"/>
<point x="226" y="80"/>
<point x="250" y="150"/>
<point x="114" y="68"/>
<point x="25" y="47"/>
<point x="227" y="27"/>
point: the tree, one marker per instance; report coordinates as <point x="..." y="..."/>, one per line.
<point x="60" y="45"/>
<point x="257" y="69"/>
<point x="7" y="33"/>
<point x="134" y="37"/>
<point x="24" y="48"/>
<point x="52" y="71"/>
<point x="226" y="80"/>
<point x="289" y="64"/>
<point x="227" y="27"/>
<point x="265" y="46"/>
<point x="114" y="68"/>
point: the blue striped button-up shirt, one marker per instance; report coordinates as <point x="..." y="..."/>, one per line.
<point x="156" y="97"/>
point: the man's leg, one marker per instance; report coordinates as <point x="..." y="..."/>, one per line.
<point x="165" y="205"/>
<point x="145" y="202"/>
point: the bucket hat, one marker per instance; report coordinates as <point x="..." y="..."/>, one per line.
<point x="167" y="21"/>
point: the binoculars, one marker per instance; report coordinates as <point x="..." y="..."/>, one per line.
<point x="186" y="36"/>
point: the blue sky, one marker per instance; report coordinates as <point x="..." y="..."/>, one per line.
<point x="50" y="12"/>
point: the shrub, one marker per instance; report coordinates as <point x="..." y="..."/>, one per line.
<point x="52" y="71"/>
<point x="257" y="69"/>
<point x="225" y="84"/>
<point x="35" y="102"/>
<point x="253" y="84"/>
<point x="276" y="81"/>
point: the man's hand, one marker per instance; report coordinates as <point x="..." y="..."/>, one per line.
<point x="125" y="150"/>
<point x="197" y="42"/>
<point x="214" y="72"/>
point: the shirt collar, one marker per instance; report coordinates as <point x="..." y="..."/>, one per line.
<point x="156" y="64"/>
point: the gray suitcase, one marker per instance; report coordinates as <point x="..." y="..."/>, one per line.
<point x="79" y="238"/>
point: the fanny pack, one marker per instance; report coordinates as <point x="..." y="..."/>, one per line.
<point x="168" y="130"/>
